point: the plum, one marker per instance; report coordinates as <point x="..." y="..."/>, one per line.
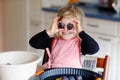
<point x="79" y="77"/>
<point x="71" y="78"/>
<point x="65" y="78"/>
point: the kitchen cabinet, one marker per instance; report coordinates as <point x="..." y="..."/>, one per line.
<point x="1" y="26"/>
<point x="101" y="26"/>
<point x="21" y="21"/>
<point x="107" y="47"/>
<point x="119" y="30"/>
<point x="15" y="24"/>
<point x="118" y="55"/>
<point x="105" y="33"/>
<point x="118" y="61"/>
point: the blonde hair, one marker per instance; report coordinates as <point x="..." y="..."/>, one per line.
<point x="73" y="11"/>
<point x="70" y="10"/>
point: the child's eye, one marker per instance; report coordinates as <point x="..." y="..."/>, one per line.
<point x="61" y="25"/>
<point x="70" y="26"/>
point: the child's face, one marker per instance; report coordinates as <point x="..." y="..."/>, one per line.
<point x="67" y="27"/>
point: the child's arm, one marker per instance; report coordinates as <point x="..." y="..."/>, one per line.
<point x="88" y="44"/>
<point x="41" y="40"/>
<point x="44" y="38"/>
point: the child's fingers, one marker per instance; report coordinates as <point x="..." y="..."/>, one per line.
<point x="55" y="25"/>
<point x="77" y="21"/>
<point x="79" y="27"/>
<point x="56" y="19"/>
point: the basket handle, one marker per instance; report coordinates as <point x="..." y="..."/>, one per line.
<point x="39" y="72"/>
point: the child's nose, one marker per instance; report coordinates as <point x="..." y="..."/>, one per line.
<point x="66" y="29"/>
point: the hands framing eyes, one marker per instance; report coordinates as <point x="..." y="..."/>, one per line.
<point x="56" y="26"/>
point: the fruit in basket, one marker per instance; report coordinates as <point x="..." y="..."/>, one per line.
<point x="79" y="77"/>
<point x="65" y="78"/>
<point x="98" y="79"/>
<point x="71" y="78"/>
<point x="58" y="78"/>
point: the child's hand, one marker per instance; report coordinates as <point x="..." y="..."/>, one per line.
<point x="54" y="27"/>
<point x="78" y="25"/>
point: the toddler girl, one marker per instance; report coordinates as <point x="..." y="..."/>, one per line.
<point x="65" y="39"/>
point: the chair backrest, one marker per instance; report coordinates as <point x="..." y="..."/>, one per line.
<point x="104" y="63"/>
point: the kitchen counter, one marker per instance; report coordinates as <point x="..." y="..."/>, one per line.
<point x="92" y="11"/>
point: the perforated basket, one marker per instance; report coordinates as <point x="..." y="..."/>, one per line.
<point x="53" y="74"/>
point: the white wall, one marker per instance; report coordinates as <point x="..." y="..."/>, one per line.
<point x="48" y="3"/>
